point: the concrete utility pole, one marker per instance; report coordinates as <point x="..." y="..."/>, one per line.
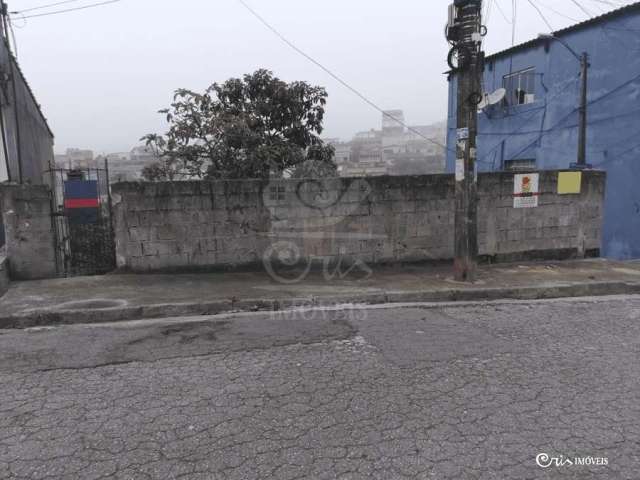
<point x="582" y="133"/>
<point x="582" y="109"/>
<point x="465" y="32"/>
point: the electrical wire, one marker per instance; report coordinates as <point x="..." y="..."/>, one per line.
<point x="502" y="12"/>
<point x="557" y="12"/>
<point x="21" y="17"/>
<point x="581" y="7"/>
<point x="625" y="152"/>
<point x="567" y="127"/>
<point x="513" y="22"/>
<point x="43" y="6"/>
<point x="609" y="3"/>
<point x="336" y="77"/>
<point x="488" y="11"/>
<point x="600" y="9"/>
<point x="559" y="122"/>
<point x="517" y="132"/>
<point x="58" y="12"/>
<point x="551" y="29"/>
<point x="486" y="17"/>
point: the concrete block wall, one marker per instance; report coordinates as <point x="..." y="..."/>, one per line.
<point x="26" y="211"/>
<point x="562" y="225"/>
<point x="201" y="225"/>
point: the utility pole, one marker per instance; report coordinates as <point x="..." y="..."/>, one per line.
<point x="582" y="109"/>
<point x="582" y="132"/>
<point x="465" y="32"/>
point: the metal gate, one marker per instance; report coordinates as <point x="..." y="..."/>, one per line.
<point x="82" y="221"/>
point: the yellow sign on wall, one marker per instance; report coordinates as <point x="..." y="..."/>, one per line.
<point x="569" y="183"/>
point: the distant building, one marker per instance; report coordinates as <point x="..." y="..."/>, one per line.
<point x="420" y="150"/>
<point x="343" y="152"/>
<point x="119" y="167"/>
<point x="76" y="158"/>
<point x="143" y="155"/>
<point x="128" y="166"/>
<point x="366" y="156"/>
<point x="393" y="150"/>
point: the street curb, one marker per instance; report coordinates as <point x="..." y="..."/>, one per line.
<point x="41" y="318"/>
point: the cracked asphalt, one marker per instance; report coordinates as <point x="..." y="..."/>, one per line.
<point x="416" y="392"/>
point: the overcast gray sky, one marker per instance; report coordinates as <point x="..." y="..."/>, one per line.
<point x="101" y="74"/>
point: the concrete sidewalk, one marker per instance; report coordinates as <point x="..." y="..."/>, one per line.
<point x="130" y="297"/>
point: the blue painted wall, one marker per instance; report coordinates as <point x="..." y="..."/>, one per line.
<point x="546" y="130"/>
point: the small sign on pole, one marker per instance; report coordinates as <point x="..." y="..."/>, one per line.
<point x="526" y="192"/>
<point x="459" y="169"/>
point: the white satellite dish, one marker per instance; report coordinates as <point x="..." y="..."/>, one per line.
<point x="492" y="99"/>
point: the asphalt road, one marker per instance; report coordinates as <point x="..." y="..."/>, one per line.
<point x="453" y="392"/>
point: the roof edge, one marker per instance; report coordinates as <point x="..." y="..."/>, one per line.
<point x="573" y="28"/>
<point x="16" y="64"/>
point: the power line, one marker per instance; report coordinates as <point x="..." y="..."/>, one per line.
<point x="502" y="12"/>
<point x="558" y="123"/>
<point x="488" y="11"/>
<point x="43" y="6"/>
<point x="581" y="7"/>
<point x="618" y="155"/>
<point x="336" y="77"/>
<point x="551" y="29"/>
<point x="601" y="2"/>
<point x="610" y="3"/>
<point x="533" y="113"/>
<point x="70" y="9"/>
<point x="514" y="17"/>
<point x="487" y="16"/>
<point x="558" y="12"/>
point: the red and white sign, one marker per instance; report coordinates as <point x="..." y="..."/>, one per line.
<point x="526" y="193"/>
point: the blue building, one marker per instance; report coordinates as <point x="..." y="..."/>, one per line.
<point x="536" y="125"/>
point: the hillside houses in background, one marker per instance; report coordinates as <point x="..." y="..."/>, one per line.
<point x="123" y="166"/>
<point x="392" y="150"/>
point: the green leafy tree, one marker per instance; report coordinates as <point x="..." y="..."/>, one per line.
<point x="255" y="127"/>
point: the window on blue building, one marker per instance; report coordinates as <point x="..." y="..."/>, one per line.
<point x="520" y="87"/>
